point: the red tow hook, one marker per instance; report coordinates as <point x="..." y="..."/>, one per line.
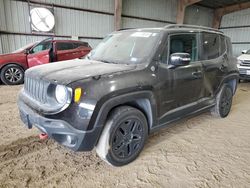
<point x="43" y="136"/>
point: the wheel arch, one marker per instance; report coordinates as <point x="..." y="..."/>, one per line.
<point x="142" y="100"/>
<point x="11" y="63"/>
<point x="231" y="80"/>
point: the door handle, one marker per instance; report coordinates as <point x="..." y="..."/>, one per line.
<point x="197" y="74"/>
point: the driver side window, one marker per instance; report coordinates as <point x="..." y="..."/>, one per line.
<point x="41" y="47"/>
<point x="184" y="43"/>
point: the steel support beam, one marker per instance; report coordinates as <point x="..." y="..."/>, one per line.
<point x="220" y="12"/>
<point x="118" y="14"/>
<point x="182" y="5"/>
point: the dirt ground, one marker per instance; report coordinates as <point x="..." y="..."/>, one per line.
<point x="196" y="152"/>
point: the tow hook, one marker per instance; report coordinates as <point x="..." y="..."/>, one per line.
<point x="43" y="136"/>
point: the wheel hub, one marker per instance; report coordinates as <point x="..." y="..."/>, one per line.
<point x="128" y="138"/>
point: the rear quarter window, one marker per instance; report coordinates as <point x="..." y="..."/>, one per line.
<point x="223" y="47"/>
<point x="229" y="46"/>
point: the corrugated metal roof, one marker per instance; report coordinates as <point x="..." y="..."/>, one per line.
<point x="158" y="9"/>
<point x="197" y="15"/>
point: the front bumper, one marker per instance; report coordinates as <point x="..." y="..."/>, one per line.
<point x="244" y="72"/>
<point x="59" y="130"/>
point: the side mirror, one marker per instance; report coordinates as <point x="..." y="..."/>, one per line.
<point x="244" y="52"/>
<point x="180" y="59"/>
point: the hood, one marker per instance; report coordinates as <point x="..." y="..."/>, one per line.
<point x="65" y="72"/>
<point x="244" y="57"/>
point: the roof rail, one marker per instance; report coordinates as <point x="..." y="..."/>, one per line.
<point x="191" y="26"/>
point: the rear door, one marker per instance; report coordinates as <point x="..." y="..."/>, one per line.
<point x="214" y="60"/>
<point x="82" y="49"/>
<point x="39" y="54"/>
<point x="182" y="85"/>
<point x="66" y="51"/>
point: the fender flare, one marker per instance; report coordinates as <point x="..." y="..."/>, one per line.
<point x="228" y="79"/>
<point x="102" y="109"/>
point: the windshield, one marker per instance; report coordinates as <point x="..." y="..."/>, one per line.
<point x="129" y="47"/>
<point x="248" y="52"/>
<point x="28" y="46"/>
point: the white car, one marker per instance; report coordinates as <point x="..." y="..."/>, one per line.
<point x="244" y="65"/>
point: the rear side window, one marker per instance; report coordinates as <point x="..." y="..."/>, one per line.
<point x="65" y="46"/>
<point x="223" y="47"/>
<point x="80" y="44"/>
<point x="229" y="46"/>
<point x="211" y="46"/>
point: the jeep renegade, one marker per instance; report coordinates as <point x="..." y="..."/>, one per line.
<point x="133" y="83"/>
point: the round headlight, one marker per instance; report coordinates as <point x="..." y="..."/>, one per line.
<point x="61" y="94"/>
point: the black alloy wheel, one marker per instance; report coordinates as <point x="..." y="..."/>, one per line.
<point x="127" y="138"/>
<point x="226" y="102"/>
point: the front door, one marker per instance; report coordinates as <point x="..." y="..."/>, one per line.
<point x="39" y="54"/>
<point x="181" y="86"/>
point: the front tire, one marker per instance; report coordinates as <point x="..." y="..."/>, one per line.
<point x="123" y="137"/>
<point x="223" y="102"/>
<point x="12" y="74"/>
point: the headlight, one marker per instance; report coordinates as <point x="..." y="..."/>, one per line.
<point x="61" y="94"/>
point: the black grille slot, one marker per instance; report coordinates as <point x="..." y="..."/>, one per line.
<point x="246" y="63"/>
<point x="37" y="89"/>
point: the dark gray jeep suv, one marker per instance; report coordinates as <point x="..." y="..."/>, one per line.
<point x="133" y="83"/>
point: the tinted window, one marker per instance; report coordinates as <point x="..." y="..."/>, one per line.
<point x="41" y="47"/>
<point x="184" y="43"/>
<point x="80" y="44"/>
<point x="64" y="46"/>
<point x="211" y="46"/>
<point x="223" y="45"/>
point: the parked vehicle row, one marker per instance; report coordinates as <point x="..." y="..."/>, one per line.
<point x="13" y="65"/>
<point x="133" y="83"/>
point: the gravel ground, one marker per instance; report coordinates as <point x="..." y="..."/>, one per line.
<point x="197" y="152"/>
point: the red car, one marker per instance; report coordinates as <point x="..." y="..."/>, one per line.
<point x="13" y="65"/>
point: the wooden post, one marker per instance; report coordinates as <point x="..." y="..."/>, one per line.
<point x="182" y="5"/>
<point x="220" y="12"/>
<point x="118" y="14"/>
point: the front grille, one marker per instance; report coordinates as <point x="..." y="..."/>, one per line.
<point x="37" y="89"/>
<point x="246" y="63"/>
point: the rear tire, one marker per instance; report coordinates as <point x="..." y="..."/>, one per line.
<point x="223" y="102"/>
<point x="12" y="74"/>
<point x="123" y="137"/>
